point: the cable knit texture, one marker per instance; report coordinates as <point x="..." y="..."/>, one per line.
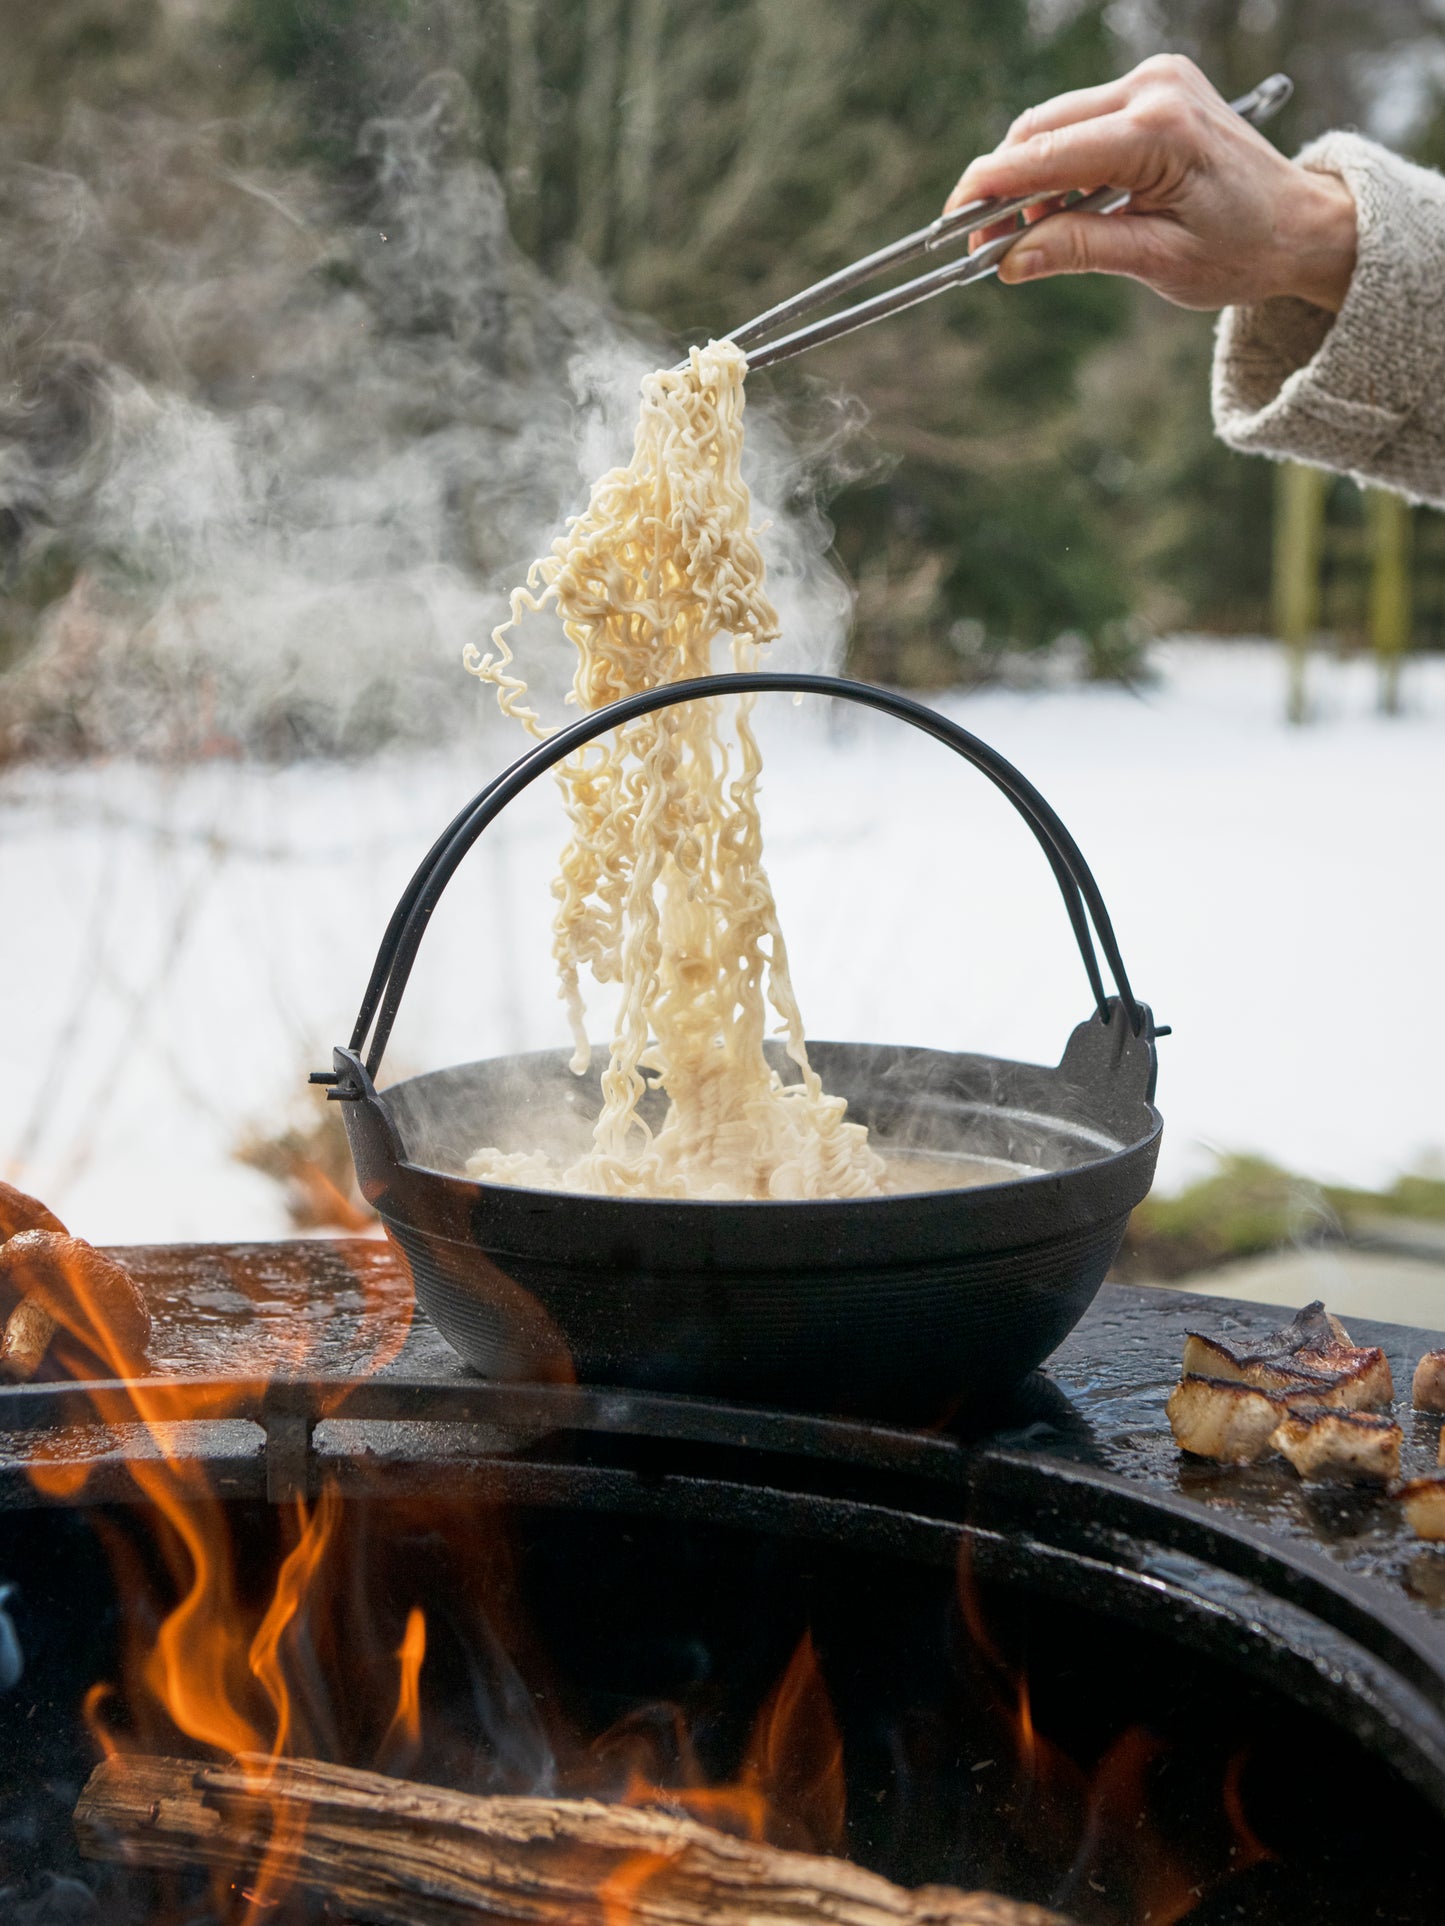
<point x="1362" y="391"/>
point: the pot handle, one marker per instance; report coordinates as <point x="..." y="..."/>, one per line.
<point x="409" y="920"/>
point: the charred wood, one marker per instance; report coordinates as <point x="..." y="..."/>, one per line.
<point x="393" y="1853"/>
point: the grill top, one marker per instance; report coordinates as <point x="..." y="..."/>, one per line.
<point x="320" y="1312"/>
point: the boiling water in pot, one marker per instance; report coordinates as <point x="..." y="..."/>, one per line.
<point x="915" y="1170"/>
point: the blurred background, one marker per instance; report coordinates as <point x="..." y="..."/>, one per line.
<point x="317" y="318"/>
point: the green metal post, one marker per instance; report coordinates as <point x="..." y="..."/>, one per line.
<point x="1390" y="601"/>
<point x="1299" y="521"/>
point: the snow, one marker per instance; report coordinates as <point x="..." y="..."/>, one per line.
<point x="182" y="946"/>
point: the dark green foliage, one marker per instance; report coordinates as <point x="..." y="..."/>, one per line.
<point x="744" y="148"/>
<point x="1053" y="468"/>
<point x="1248" y="1206"/>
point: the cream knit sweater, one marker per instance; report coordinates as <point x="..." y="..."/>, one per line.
<point x="1364" y="390"/>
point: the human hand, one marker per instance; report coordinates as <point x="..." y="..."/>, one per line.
<point x="1217" y="217"/>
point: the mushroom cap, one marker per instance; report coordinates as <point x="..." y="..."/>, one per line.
<point x="21" y="1213"/>
<point x="89" y="1295"/>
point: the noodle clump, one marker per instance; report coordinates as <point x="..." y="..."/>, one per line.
<point x="662" y="888"/>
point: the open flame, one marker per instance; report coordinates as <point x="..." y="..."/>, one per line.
<point x="227" y="1670"/>
<point x="402" y="1742"/>
<point x="309" y="1649"/>
<point x="790" y="1790"/>
<point x="1109" y="1815"/>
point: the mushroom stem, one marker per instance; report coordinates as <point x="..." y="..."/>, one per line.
<point x="27" y="1338"/>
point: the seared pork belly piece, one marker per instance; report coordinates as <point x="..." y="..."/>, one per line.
<point x="1340" y="1447"/>
<point x="1222" y="1419"/>
<point x="1314" y="1354"/>
<point x="1427" y="1393"/>
<point x="1423" y="1502"/>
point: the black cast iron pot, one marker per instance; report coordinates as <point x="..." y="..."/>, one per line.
<point x="923" y="1307"/>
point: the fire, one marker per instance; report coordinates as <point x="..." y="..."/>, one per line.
<point x="1103" y="1821"/>
<point x="1248" y="1848"/>
<point x="790" y="1789"/>
<point x="795" y="1758"/>
<point x="402" y="1742"/>
<point x="618" y="1893"/>
<point x="227" y="1670"/>
<point x="314" y="1646"/>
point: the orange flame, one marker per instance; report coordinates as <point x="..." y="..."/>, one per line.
<point x="795" y="1756"/>
<point x="238" y="1672"/>
<point x="1248" y="1848"/>
<point x="90" y="1706"/>
<point x="223" y="1668"/>
<point x="1105" y="1817"/>
<point x="402" y="1740"/>
<point x="617" y="1894"/>
<point x="791" y="1789"/>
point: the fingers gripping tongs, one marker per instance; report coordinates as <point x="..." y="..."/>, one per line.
<point x="1260" y="105"/>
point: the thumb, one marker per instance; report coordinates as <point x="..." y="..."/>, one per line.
<point x="1068" y="243"/>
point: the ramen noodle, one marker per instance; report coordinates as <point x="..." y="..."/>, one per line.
<point x="662" y="889"/>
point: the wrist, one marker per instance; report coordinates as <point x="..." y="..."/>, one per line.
<point x="1319" y="240"/>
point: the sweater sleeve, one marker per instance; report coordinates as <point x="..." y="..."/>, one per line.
<point x="1362" y="391"/>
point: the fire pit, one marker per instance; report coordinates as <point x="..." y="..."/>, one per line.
<point x="912" y="1307"/>
<point x="1055" y="1659"/>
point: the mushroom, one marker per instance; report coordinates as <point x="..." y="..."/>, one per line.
<point x="28" y="1332"/>
<point x="21" y="1213"/>
<point x="50" y="1281"/>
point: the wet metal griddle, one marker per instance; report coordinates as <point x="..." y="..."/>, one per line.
<point x="1078" y="1489"/>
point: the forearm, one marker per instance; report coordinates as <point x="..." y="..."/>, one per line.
<point x="1362" y="391"/>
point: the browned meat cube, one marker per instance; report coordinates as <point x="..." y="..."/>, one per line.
<point x="1427" y="1393"/>
<point x="1423" y="1502"/>
<point x="1313" y="1354"/>
<point x="1340" y="1447"/>
<point x="1220" y="1419"/>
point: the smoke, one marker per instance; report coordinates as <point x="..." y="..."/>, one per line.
<point x="274" y="446"/>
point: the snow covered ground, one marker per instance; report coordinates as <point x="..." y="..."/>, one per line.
<point x="181" y="947"/>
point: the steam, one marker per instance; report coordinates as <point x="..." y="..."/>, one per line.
<point x="272" y="452"/>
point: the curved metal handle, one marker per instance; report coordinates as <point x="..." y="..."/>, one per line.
<point x="392" y="969"/>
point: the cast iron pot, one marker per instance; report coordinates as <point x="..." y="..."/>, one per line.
<point x="922" y="1307"/>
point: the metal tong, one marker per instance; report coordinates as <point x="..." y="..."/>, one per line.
<point x="1257" y="106"/>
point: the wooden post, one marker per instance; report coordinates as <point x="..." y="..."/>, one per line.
<point x="1299" y="520"/>
<point x="1390" y="601"/>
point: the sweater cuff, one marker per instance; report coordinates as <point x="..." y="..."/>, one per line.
<point x="1292" y="380"/>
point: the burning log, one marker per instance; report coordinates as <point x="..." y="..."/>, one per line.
<point x="400" y="1854"/>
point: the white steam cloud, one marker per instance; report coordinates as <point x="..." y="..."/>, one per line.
<point x="272" y="452"/>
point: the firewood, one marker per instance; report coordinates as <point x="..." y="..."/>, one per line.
<point x="393" y="1853"/>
